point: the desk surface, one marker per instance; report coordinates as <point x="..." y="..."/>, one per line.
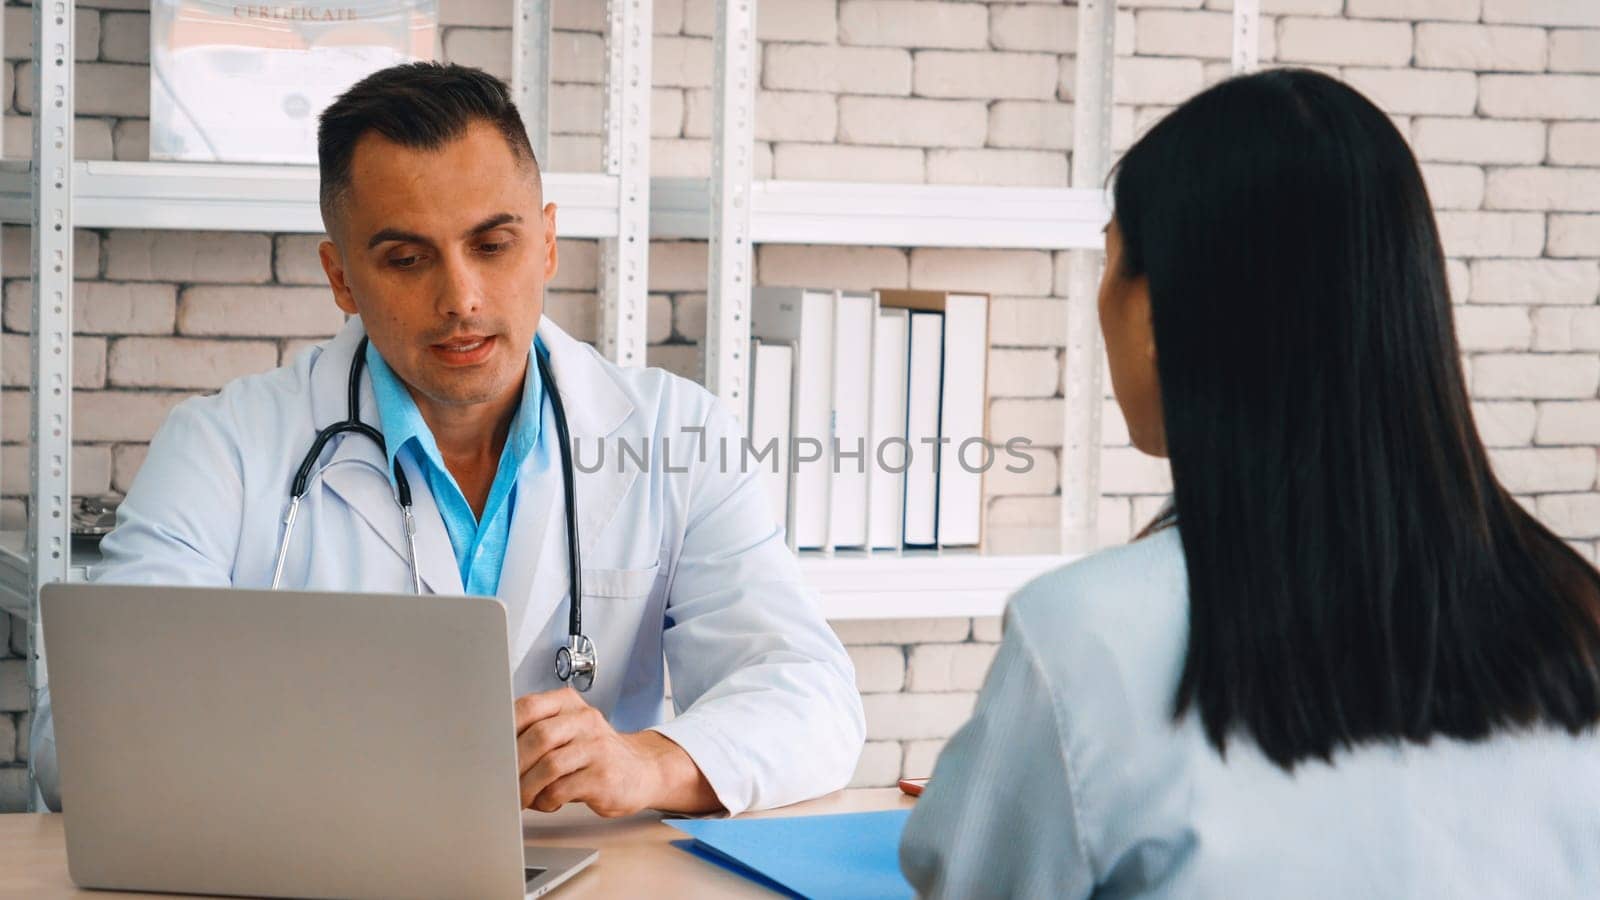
<point x="636" y="859"/>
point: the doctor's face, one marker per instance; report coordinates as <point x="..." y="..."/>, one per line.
<point x="444" y="254"/>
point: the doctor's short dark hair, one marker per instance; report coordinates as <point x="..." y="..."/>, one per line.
<point x="422" y="105"/>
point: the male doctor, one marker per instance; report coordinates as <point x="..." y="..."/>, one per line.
<point x="440" y="248"/>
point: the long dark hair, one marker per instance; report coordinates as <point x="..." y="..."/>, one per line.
<point x="1356" y="572"/>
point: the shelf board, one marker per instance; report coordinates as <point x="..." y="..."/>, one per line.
<point x="892" y="215"/>
<point x="226" y="197"/>
<point x="916" y="584"/>
<point x="883" y="585"/>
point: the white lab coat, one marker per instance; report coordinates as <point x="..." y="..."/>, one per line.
<point x="681" y="560"/>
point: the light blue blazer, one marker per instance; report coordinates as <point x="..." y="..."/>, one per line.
<point x="1073" y="780"/>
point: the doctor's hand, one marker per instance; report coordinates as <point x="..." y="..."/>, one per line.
<point x="568" y="753"/>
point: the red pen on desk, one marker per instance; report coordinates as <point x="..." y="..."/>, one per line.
<point x="913" y="786"/>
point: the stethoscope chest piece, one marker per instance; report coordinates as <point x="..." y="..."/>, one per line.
<point x="575" y="662"/>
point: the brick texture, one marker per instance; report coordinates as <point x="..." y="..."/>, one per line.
<point x="1344" y="42"/>
<point x="906" y="23"/>
<point x="1541" y="96"/>
<point x="1444" y="45"/>
<point x="1493" y="141"/>
<point x="1414" y="9"/>
<point x="187" y="363"/>
<point x="1576" y="50"/>
<point x="1500" y="100"/>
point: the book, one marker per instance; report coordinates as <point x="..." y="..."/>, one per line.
<point x="804" y="319"/>
<point x="963" y="456"/>
<point x="925" y="349"/>
<point x="233" y="82"/>
<point x="855" y="315"/>
<point x="964" y="459"/>
<point x="886" y="467"/>
<point x="771" y="383"/>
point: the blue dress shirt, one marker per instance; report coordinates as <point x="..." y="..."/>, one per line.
<point x="479" y="543"/>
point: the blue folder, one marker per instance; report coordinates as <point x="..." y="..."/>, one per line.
<point x="844" y="856"/>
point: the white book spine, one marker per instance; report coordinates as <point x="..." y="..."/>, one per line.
<point x="962" y="455"/>
<point x="886" y="513"/>
<point x="814" y="423"/>
<point x="771" y="390"/>
<point x="804" y="319"/>
<point x="854" y="316"/>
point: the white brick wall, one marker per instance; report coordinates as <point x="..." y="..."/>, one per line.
<point x="1344" y="42"/>
<point x="1418" y="91"/>
<point x="1414" y="9"/>
<point x="1575" y="50"/>
<point x="1453" y="186"/>
<point x="1576" y="143"/>
<point x="1500" y="98"/>
<point x="909" y="23"/>
<point x="1505" y="423"/>
<point x="1535" y="281"/>
<point x="1442" y="45"/>
<point x="986" y="76"/>
<point x="1493" y="141"/>
<point x="917" y="123"/>
<point x="1539" y="96"/>
<point x="837" y="70"/>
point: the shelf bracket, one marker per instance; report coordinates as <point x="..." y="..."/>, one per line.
<point x="728" y="279"/>
<point x="624" y="263"/>
<point x="1091" y="154"/>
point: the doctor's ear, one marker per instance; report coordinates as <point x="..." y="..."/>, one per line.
<point x="551" y="263"/>
<point x="333" y="265"/>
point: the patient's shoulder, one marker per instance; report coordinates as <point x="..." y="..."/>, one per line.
<point x="1114" y="622"/>
<point x="1115" y="589"/>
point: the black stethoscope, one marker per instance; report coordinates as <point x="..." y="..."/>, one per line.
<point x="575" y="662"/>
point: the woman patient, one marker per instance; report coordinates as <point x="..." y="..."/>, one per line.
<point x="1346" y="663"/>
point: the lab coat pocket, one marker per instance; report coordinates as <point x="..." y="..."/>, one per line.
<point x="619" y="584"/>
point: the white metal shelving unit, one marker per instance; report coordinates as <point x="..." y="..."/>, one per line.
<point x="55" y="193"/>
<point x="744" y="212"/>
<point x="623" y="209"/>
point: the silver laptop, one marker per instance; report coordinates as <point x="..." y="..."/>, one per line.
<point x="289" y="744"/>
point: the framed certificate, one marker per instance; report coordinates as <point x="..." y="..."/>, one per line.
<point x="245" y="81"/>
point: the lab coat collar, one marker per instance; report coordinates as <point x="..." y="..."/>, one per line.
<point x="535" y="581"/>
<point x="596" y="406"/>
<point x="599" y="405"/>
<point x="357" y="471"/>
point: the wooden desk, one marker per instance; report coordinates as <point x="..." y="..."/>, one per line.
<point x="636" y="858"/>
